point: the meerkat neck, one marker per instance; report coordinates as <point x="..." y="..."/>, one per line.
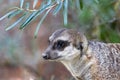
<point x="80" y="65"/>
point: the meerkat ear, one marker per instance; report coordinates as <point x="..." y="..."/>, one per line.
<point x="82" y="43"/>
<point x="80" y="46"/>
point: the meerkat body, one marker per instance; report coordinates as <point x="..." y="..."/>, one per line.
<point x="86" y="60"/>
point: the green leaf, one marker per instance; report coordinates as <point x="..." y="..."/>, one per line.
<point x="58" y="1"/>
<point x="65" y="12"/>
<point x="14" y="13"/>
<point x="27" y="5"/>
<point x="78" y="4"/>
<point x="21" y="3"/>
<point x="81" y="4"/>
<point x="39" y="24"/>
<point x="35" y="3"/>
<point x="14" y="24"/>
<point x="6" y="15"/>
<point x="49" y="2"/>
<point x="28" y="20"/>
<point x="33" y="16"/>
<point x="57" y="9"/>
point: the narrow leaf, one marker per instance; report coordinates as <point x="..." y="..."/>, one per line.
<point x="35" y="3"/>
<point x="57" y="9"/>
<point x="21" y="3"/>
<point x="78" y="4"/>
<point x="14" y="24"/>
<point x="14" y="13"/>
<point x="33" y="16"/>
<point x="27" y="5"/>
<point x="81" y="4"/>
<point x="39" y="24"/>
<point x="49" y="2"/>
<point x="58" y="1"/>
<point x="6" y="15"/>
<point x="65" y="12"/>
<point x="27" y="21"/>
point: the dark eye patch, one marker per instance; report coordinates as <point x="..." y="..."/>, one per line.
<point x="60" y="45"/>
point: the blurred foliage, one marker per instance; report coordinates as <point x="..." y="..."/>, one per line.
<point x="108" y="34"/>
<point x="98" y="14"/>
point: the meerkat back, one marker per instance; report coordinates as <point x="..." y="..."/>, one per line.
<point x="107" y="56"/>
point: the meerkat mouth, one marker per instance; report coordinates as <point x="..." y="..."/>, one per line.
<point x="53" y="58"/>
<point x="56" y="58"/>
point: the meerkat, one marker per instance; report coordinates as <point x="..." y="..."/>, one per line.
<point x="86" y="60"/>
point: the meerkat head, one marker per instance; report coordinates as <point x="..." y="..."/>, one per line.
<point x="65" y="44"/>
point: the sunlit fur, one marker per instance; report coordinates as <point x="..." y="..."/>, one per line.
<point x="91" y="61"/>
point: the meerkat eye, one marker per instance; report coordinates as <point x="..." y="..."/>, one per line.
<point x="60" y="45"/>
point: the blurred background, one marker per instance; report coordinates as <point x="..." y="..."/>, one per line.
<point x="20" y="52"/>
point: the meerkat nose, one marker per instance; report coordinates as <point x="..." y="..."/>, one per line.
<point x="45" y="56"/>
